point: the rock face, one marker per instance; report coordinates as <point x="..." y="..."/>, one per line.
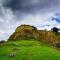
<point x="25" y="32"/>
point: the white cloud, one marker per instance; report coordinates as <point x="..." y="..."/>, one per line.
<point x="9" y="22"/>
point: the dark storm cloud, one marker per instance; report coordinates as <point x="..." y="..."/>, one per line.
<point x="31" y="5"/>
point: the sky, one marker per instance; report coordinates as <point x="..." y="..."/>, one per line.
<point x="43" y="14"/>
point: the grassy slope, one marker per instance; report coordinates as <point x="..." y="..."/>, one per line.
<point x="28" y="50"/>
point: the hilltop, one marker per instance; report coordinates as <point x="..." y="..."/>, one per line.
<point x="30" y="32"/>
<point x="25" y="32"/>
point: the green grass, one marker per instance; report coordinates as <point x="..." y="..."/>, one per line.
<point x="28" y="50"/>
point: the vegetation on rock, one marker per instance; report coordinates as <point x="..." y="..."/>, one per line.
<point x="30" y="32"/>
<point x="25" y="32"/>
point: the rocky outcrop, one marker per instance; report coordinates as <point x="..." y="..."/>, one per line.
<point x="28" y="32"/>
<point x="25" y="32"/>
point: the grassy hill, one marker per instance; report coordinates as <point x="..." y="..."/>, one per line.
<point x="30" y="32"/>
<point x="28" y="43"/>
<point x="28" y="50"/>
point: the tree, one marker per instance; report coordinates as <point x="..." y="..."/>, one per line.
<point x="55" y="29"/>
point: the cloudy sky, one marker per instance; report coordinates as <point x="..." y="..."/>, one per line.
<point x="44" y="14"/>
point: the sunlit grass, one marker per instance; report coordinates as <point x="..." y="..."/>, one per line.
<point x="28" y="50"/>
